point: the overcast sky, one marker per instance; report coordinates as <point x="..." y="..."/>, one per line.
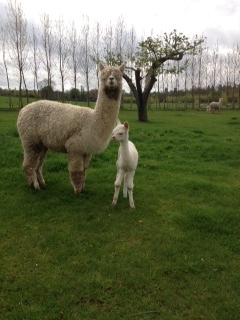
<point x="218" y="20"/>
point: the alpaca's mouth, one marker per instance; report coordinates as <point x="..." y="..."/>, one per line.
<point x="111" y="83"/>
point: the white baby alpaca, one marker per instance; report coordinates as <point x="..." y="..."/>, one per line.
<point x="126" y="163"/>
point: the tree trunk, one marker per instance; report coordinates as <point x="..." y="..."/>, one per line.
<point x="140" y="95"/>
<point x="142" y="111"/>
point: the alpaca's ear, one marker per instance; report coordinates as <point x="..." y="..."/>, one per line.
<point x="122" y="67"/>
<point x="126" y="125"/>
<point x="100" y="66"/>
<point x="118" y="122"/>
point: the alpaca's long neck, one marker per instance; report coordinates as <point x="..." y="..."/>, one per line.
<point x="107" y="107"/>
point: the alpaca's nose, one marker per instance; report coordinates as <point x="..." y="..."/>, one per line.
<point x="111" y="78"/>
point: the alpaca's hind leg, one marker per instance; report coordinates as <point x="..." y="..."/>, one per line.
<point x="30" y="164"/>
<point x="129" y="185"/>
<point x="76" y="171"/>
<point x="40" y="165"/>
<point x="117" y="184"/>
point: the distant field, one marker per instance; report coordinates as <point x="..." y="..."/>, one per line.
<point x="4" y="103"/>
<point x="126" y="105"/>
<point x="175" y="257"/>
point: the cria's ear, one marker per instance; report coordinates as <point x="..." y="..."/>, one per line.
<point x="126" y="125"/>
<point x="122" y="67"/>
<point x="100" y="66"/>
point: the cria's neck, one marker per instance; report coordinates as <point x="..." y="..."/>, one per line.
<point x="124" y="144"/>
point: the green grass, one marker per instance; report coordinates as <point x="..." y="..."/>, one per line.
<point x="176" y="256"/>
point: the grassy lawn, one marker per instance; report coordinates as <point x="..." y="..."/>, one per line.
<point x="176" y="256"/>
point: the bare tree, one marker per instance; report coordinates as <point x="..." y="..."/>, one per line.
<point x="200" y="72"/>
<point x="62" y="50"/>
<point x="185" y="87"/>
<point x="220" y="76"/>
<point x="74" y="55"/>
<point x="193" y="77"/>
<point x="3" y="43"/>
<point x="96" y="42"/>
<point x="87" y="64"/>
<point x="235" y="66"/>
<point x="120" y="36"/>
<point x="214" y="71"/>
<point x="108" y="40"/>
<point x="162" y="79"/>
<point x="18" y="41"/>
<point x="206" y="67"/>
<point x="238" y="74"/>
<point x="35" y="62"/>
<point x="48" y="50"/>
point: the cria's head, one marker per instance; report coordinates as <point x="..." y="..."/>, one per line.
<point x="120" y="132"/>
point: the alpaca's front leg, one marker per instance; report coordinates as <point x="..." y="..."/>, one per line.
<point x="77" y="178"/>
<point x="86" y="161"/>
<point x="30" y="163"/>
<point x="117" y="185"/>
<point x="76" y="171"/>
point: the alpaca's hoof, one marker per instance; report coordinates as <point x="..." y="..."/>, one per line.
<point x="78" y="190"/>
<point x="132" y="205"/>
<point x="36" y="186"/>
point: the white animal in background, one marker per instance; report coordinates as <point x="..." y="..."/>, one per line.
<point x="78" y="131"/>
<point x="214" y="106"/>
<point x="126" y="163"/>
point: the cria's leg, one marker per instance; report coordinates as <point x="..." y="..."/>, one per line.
<point x="125" y="187"/>
<point x="30" y="164"/>
<point x="76" y="171"/>
<point x="129" y="185"/>
<point x="118" y="181"/>
<point x="40" y="165"/>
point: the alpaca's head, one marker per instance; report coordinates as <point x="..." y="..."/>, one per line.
<point x="110" y="79"/>
<point x="120" y="132"/>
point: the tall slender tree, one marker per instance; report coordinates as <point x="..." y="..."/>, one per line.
<point x="86" y="64"/>
<point x="62" y="51"/>
<point x="18" y="42"/>
<point x="5" y="60"/>
<point x="36" y="63"/>
<point x="48" y="46"/>
<point x="74" y="55"/>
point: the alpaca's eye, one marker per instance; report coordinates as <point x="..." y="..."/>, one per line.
<point x="121" y="133"/>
